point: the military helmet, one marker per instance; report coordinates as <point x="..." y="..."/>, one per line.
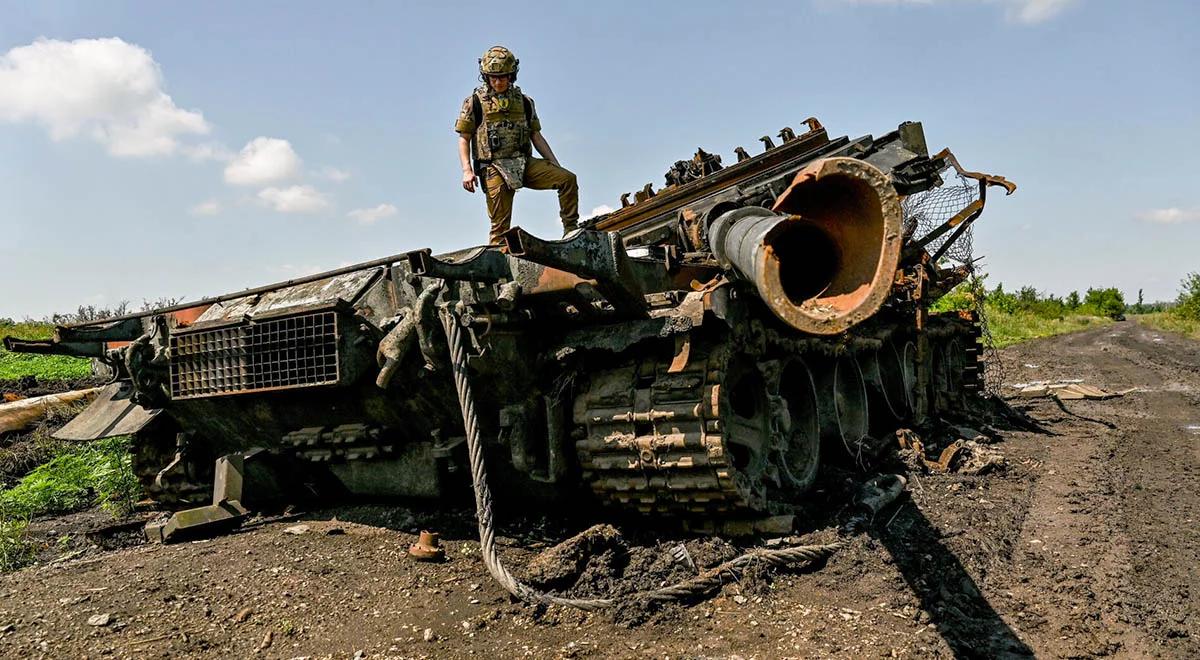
<point x="499" y="61"/>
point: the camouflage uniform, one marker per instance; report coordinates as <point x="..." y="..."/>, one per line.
<point x="502" y="152"/>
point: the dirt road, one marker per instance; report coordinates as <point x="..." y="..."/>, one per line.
<point x="1086" y="545"/>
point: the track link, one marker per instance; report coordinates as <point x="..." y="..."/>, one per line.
<point x="654" y="441"/>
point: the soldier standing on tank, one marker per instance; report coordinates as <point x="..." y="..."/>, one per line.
<point x="496" y="129"/>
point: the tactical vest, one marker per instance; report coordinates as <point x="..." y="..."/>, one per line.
<point x="503" y="124"/>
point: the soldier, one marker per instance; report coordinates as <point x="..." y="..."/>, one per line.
<point x="496" y="128"/>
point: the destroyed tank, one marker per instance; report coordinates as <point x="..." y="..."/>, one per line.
<point x="696" y="354"/>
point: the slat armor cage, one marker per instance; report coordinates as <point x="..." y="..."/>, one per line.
<point x="284" y="353"/>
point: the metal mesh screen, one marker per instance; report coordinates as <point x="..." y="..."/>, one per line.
<point x="928" y="210"/>
<point x="298" y="351"/>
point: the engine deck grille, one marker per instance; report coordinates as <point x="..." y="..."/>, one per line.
<point x="285" y="353"/>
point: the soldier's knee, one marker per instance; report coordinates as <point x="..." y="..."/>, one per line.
<point x="568" y="180"/>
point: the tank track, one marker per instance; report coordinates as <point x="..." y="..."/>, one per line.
<point x="654" y="441"/>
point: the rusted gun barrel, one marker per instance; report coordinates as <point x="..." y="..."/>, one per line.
<point x="824" y="256"/>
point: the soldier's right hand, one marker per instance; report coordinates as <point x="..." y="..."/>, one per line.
<point x="468" y="181"/>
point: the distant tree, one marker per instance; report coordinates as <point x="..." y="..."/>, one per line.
<point x="1139" y="308"/>
<point x="1072" y="301"/>
<point x="87" y="313"/>
<point x="159" y="303"/>
<point x="1105" y="302"/>
<point x="1005" y="302"/>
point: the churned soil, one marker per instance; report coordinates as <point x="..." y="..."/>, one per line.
<point x="1084" y="544"/>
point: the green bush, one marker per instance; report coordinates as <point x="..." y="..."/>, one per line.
<point x="1187" y="305"/>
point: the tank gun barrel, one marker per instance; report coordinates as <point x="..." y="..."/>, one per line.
<point x="823" y="258"/>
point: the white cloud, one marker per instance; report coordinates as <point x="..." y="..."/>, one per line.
<point x="1021" y="11"/>
<point x="106" y="89"/>
<point x="373" y="214"/>
<point x="263" y="160"/>
<point x="333" y="174"/>
<point x="294" y="199"/>
<point x="600" y="210"/>
<point x="207" y="151"/>
<point x="1037" y="11"/>
<point x="210" y="207"/>
<point x="1169" y="216"/>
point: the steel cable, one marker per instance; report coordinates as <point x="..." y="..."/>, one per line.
<point x="695" y="587"/>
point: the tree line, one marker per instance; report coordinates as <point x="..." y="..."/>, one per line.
<point x="1108" y="302"/>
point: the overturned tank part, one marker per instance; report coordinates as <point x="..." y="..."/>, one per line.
<point x="695" y="355"/>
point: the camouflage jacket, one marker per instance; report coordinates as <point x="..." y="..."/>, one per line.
<point x="501" y="128"/>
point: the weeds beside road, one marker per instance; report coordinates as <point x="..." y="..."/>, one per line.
<point x="1013" y="328"/>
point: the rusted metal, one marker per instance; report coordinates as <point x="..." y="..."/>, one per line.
<point x="427" y="548"/>
<point x="968" y="214"/>
<point x="839" y="207"/>
<point x="726" y="178"/>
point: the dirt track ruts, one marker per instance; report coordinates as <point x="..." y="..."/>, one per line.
<point x="1086" y="546"/>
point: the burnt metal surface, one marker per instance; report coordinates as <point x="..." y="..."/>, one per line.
<point x="346" y="287"/>
<point x="111" y="414"/>
<point x="287" y="352"/>
<point x="696" y="354"/>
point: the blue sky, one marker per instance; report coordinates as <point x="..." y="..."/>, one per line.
<point x="162" y="149"/>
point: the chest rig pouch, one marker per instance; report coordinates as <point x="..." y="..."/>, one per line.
<point x="504" y="128"/>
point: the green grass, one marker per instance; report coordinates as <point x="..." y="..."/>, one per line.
<point x="80" y="475"/>
<point x="14" y="366"/>
<point x="76" y="478"/>
<point x="1008" y="329"/>
<point x="15" y="549"/>
<point x="1172" y="323"/>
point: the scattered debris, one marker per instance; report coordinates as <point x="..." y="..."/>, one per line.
<point x="99" y="619"/>
<point x="267" y="640"/>
<point x="427" y="548"/>
<point x="1067" y="390"/>
<point x="979" y="459"/>
<point x="969" y="457"/>
<point x="428" y="635"/>
<point x="243" y="615"/>
<point x="880" y="492"/>
<point x="296" y="529"/>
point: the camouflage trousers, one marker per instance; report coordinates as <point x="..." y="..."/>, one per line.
<point x="539" y="175"/>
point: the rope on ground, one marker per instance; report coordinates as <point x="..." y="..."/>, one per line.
<point x="695" y="587"/>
